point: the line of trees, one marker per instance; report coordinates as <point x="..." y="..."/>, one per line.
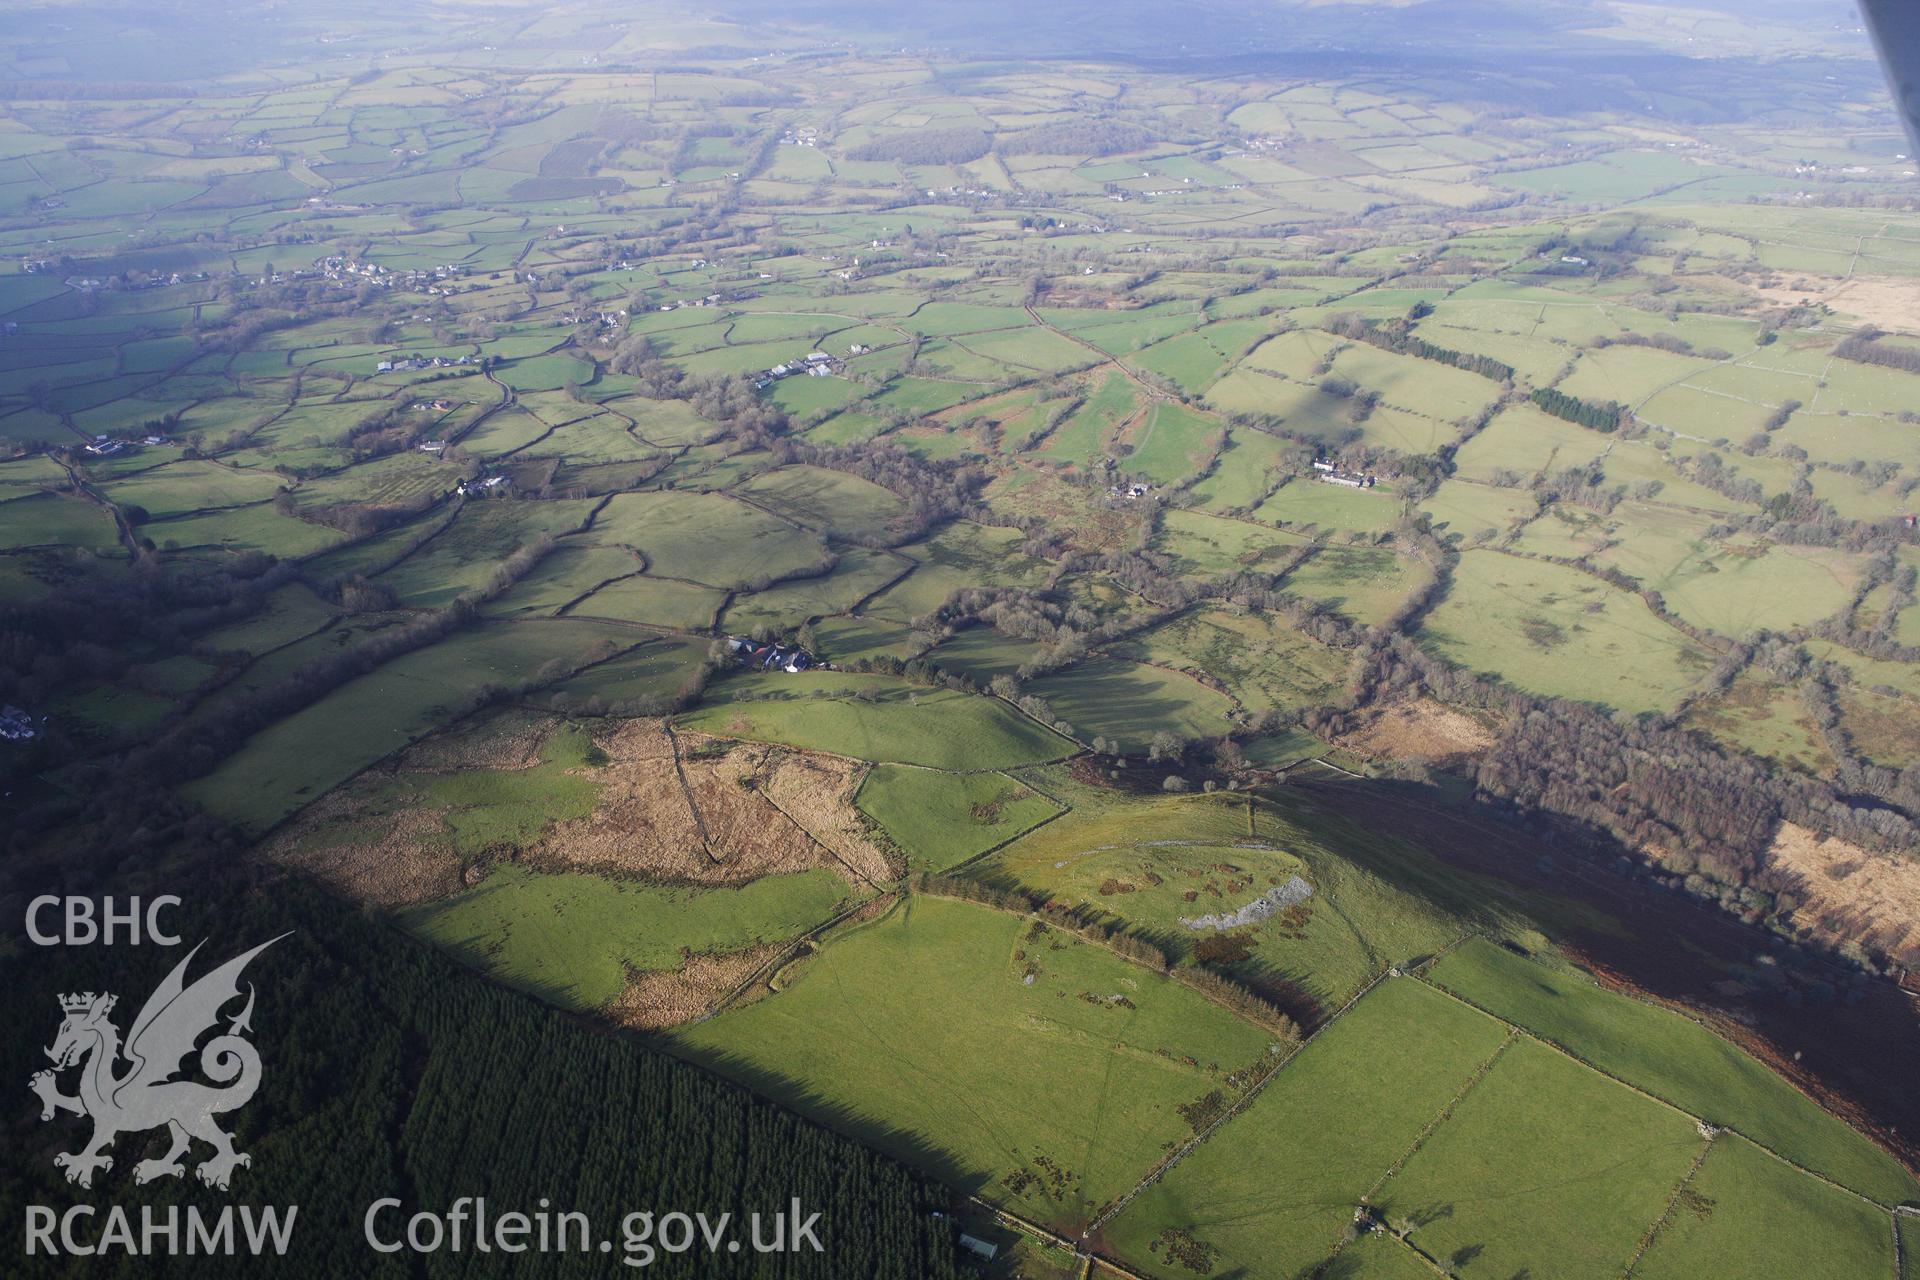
<point x="954" y="145"/>
<point x="194" y="748"/>
<point x="1605" y="416"/>
<point x="1865" y="346"/>
<point x="1398" y="338"/>
<point x="1076" y="138"/>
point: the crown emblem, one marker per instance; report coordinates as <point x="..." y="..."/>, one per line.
<point x="82" y="1002"/>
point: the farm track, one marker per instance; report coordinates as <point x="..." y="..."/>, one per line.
<point x="1105" y="358"/>
<point x="122" y="529"/>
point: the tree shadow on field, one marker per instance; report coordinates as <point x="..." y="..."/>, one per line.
<point x="803" y="1098"/>
<point x="1586" y="892"/>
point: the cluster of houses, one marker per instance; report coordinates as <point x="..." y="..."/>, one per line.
<point x="17" y="726"/>
<point x="421" y="362"/>
<point x="804" y="136"/>
<point x="769" y="657"/>
<point x="467" y="488"/>
<point x="436" y="406"/>
<point x="132" y="280"/>
<point x="605" y="319"/>
<point x="711" y="300"/>
<point x="815" y="364"/>
<point x="1128" y="492"/>
<point x="347" y="271"/>
<point x="1333" y="473"/>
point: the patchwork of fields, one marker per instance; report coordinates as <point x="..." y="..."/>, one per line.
<point x="834" y="562"/>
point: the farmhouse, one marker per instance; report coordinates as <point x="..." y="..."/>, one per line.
<point x="769" y="657"/>
<point x="16" y="725"/>
<point x="1350" y="479"/>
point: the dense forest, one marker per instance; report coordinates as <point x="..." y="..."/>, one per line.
<point x="391" y="1072"/>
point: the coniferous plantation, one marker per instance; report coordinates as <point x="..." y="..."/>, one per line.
<point x="395" y="1073"/>
<point x="1276" y="642"/>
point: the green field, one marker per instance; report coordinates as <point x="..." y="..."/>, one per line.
<point x="1122" y="700"/>
<point x="876" y="718"/>
<point x="1153" y="864"/>
<point x="940" y="819"/>
<point x="923" y="1033"/>
<point x="573" y="938"/>
<point x="1556" y="631"/>
<point x="1544" y="1167"/>
<point x="1272" y="1190"/>
<point x="1676" y="1060"/>
<point x="1747" y="1214"/>
<point x="1262" y="662"/>
<point x="706" y="538"/>
<point x="384" y="393"/>
<point x="298" y="759"/>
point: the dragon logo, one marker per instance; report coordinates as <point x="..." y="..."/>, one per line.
<point x="145" y="1096"/>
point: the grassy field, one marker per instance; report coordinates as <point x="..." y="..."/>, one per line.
<point x="1263" y="663"/>
<point x="1746" y="1214"/>
<point x="464" y="558"/>
<point x="573" y="938"/>
<point x="827" y="500"/>
<point x="1543" y="1167"/>
<point x="1766" y="719"/>
<point x="50" y="519"/>
<point x="876" y="718"/>
<point x="1559" y="632"/>
<point x="1028" y="1066"/>
<point x="1126" y="702"/>
<point x="940" y="819"/>
<point x="1152" y="864"/>
<point x="1676" y="1060"/>
<point x="1335" y="508"/>
<point x="1364" y="584"/>
<point x="706" y="538"/>
<point x="1270" y="1193"/>
<point x="300" y="758"/>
